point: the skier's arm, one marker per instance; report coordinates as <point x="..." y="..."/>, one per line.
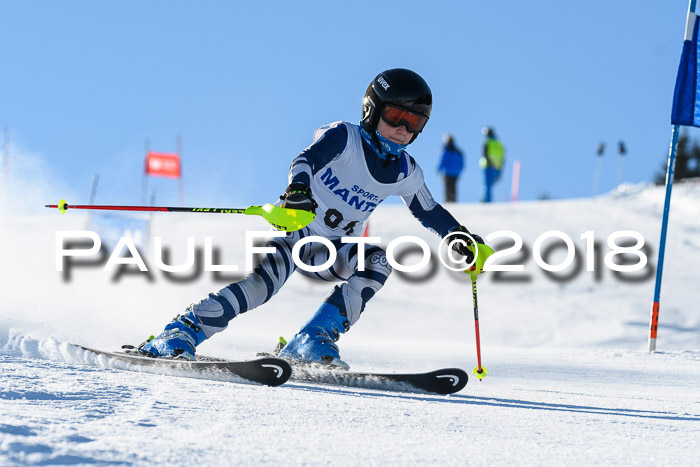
<point x="312" y="159"/>
<point x="437" y="219"/>
<point x="430" y="213"/>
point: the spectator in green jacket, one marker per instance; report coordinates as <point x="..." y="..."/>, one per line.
<point x="492" y="162"/>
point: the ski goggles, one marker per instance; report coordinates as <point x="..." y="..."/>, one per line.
<point x="396" y="116"/>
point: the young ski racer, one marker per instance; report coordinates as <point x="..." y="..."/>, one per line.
<point x="342" y="177"/>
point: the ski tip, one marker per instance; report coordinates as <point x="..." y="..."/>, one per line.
<point x="278" y="371"/>
<point x="452" y="380"/>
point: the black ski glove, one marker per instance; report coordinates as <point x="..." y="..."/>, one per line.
<point x="298" y="196"/>
<point x="459" y="240"/>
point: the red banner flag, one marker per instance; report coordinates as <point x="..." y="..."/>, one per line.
<point x="161" y="164"/>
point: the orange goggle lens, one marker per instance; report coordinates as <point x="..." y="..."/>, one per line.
<point x="396" y="116"/>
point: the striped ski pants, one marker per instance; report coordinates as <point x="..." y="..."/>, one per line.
<point x="350" y="296"/>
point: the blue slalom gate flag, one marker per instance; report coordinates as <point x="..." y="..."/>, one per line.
<point x="686" y="111"/>
<point x="686" y="97"/>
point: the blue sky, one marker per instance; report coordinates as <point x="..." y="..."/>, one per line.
<point x="83" y="84"/>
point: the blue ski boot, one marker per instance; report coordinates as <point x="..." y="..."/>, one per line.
<point x="315" y="342"/>
<point x="179" y="339"/>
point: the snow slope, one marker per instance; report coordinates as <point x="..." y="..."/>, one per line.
<point x="569" y="378"/>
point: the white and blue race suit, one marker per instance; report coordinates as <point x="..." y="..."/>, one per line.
<point x="349" y="178"/>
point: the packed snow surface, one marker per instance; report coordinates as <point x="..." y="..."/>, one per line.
<point x="570" y="380"/>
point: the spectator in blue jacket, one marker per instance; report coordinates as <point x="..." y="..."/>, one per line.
<point x="451" y="165"/>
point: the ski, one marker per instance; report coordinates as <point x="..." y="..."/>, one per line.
<point x="444" y="381"/>
<point x="269" y="371"/>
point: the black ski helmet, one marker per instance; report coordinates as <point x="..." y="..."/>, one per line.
<point x="400" y="87"/>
